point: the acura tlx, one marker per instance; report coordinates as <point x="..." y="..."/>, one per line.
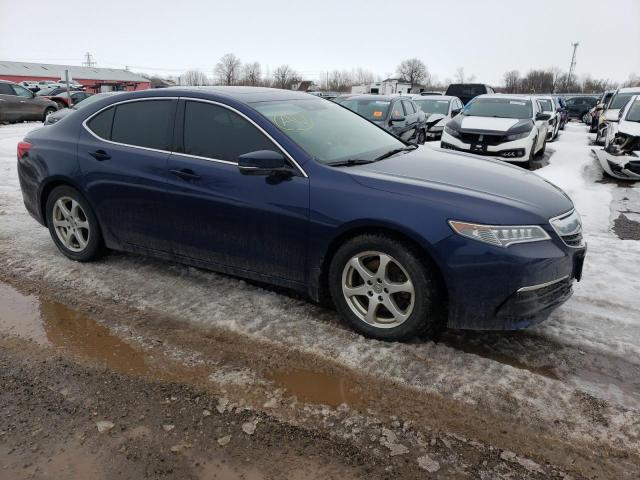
<point x="293" y="190"/>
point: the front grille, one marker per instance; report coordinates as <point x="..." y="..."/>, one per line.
<point x="482" y="139"/>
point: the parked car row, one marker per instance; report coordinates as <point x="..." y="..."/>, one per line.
<point x="18" y="104"/>
<point x="210" y="176"/>
<point x="37" y="85"/>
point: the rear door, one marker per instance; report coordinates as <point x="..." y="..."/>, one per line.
<point x="28" y="107"/>
<point x="220" y="216"/>
<point x="123" y="154"/>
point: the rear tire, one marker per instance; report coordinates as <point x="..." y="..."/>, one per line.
<point x="48" y="111"/>
<point x="72" y="224"/>
<point x="372" y="271"/>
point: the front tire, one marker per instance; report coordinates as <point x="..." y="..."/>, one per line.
<point x="540" y="152"/>
<point x="384" y="289"/>
<point x="72" y="224"/>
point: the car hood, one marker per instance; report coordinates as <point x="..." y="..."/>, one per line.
<point x="630" y="128"/>
<point x="463" y="179"/>
<point x="487" y="123"/>
<point x="611" y="115"/>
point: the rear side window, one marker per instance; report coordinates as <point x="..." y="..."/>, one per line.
<point x="101" y="123"/>
<point x="216" y="132"/>
<point x="146" y="123"/>
<point x="5" y="89"/>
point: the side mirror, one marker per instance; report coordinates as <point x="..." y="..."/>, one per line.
<point x="263" y="162"/>
<point x="543" y="116"/>
<point x="398" y="118"/>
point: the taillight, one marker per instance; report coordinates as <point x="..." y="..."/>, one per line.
<point x="23" y="149"/>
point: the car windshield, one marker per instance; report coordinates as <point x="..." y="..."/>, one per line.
<point x="546" y="105"/>
<point x="469" y="90"/>
<point x="498" y="107"/>
<point x="634" y="112"/>
<point x="370" y="109"/>
<point x="327" y="131"/>
<point x="621" y="99"/>
<point x="91" y="99"/>
<point x="433" y="106"/>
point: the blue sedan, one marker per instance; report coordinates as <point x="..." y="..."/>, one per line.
<point x="288" y="189"/>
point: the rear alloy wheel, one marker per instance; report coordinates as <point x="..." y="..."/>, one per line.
<point x="383" y="289"/>
<point x="72" y="225"/>
<point x="47" y="112"/>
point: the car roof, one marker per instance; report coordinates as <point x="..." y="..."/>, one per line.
<point x="373" y="96"/>
<point x="506" y="96"/>
<point x="245" y="94"/>
<point x="434" y="97"/>
<point x="628" y="89"/>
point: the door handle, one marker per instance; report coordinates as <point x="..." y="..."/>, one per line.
<point x="100" y="155"/>
<point x="186" y="174"/>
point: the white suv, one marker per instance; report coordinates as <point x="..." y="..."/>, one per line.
<point x="506" y="127"/>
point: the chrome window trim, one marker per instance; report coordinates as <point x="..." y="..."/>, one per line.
<point x="295" y="164"/>
<point x="541" y="285"/>
<point x="86" y="120"/>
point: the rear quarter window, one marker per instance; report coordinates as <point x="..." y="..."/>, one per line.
<point x="101" y="123"/>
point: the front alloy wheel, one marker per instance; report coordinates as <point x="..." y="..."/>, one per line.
<point x="386" y="288"/>
<point x="377" y="289"/>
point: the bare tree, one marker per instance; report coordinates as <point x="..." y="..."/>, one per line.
<point x="251" y="74"/>
<point x="284" y="76"/>
<point x="413" y="71"/>
<point x="512" y="81"/>
<point x="339" y="81"/>
<point x="459" y="76"/>
<point x="228" y="69"/>
<point x="194" y="78"/>
<point x="360" y="76"/>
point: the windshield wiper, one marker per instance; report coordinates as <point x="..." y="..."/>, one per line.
<point x="350" y="162"/>
<point x="408" y="148"/>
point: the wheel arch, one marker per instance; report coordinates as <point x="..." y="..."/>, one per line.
<point x="319" y="284"/>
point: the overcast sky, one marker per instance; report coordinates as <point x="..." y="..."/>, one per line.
<point x="486" y="37"/>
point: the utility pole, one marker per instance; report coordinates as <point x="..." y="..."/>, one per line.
<point x="573" y="64"/>
<point x="88" y="60"/>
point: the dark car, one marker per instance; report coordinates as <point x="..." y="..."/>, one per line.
<point x="17" y="104"/>
<point x="579" y="106"/>
<point x="284" y="188"/>
<point x="468" y="91"/>
<point x="398" y="115"/>
<point x="561" y="107"/>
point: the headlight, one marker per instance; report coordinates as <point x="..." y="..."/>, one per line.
<point x="567" y="224"/>
<point x="451" y="131"/>
<point x="517" y="136"/>
<point x="500" y="235"/>
<point x="436" y="129"/>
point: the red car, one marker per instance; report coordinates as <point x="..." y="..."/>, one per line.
<point x="62" y="99"/>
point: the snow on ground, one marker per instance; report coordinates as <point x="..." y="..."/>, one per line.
<point x="592" y="343"/>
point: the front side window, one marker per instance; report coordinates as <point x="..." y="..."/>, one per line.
<point x="433" y="106"/>
<point x="408" y="107"/>
<point x="499" y="107"/>
<point x="546" y="105"/>
<point x="397" y="110"/>
<point x="147" y="123"/>
<point x="326" y="131"/>
<point x="21" y="91"/>
<point x="5" y="89"/>
<point x="218" y="133"/>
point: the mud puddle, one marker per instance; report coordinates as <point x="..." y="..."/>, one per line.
<point x="319" y="388"/>
<point x="53" y="324"/>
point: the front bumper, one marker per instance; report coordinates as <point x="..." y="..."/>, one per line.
<point x="624" y="167"/>
<point x="493" y="288"/>
<point x="514" y="151"/>
<point x="433" y="136"/>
